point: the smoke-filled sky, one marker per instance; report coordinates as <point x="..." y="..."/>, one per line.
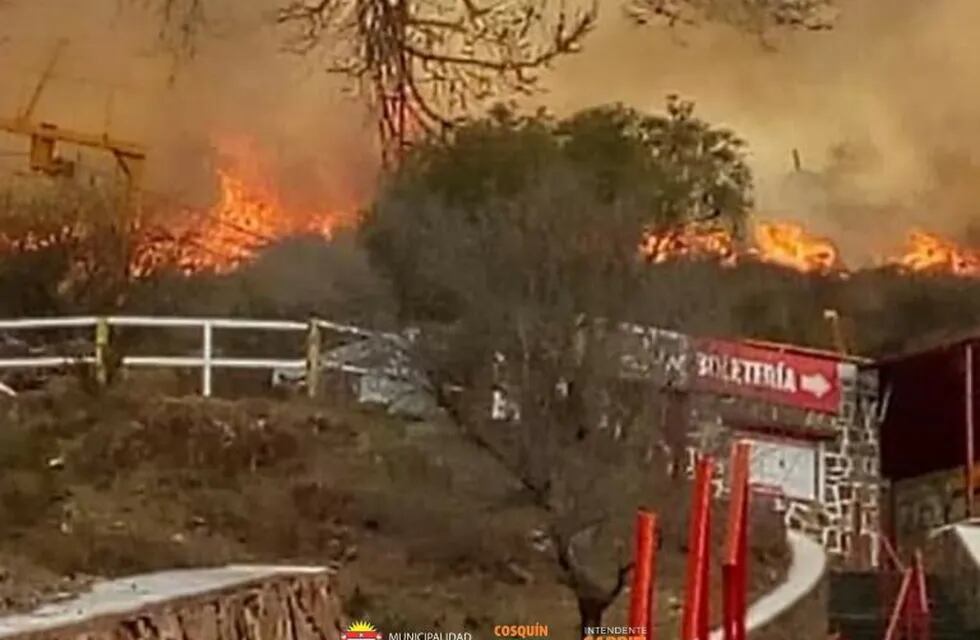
<point x="239" y="84"/>
<point x="885" y="109"/>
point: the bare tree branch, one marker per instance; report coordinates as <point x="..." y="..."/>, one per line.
<point x="426" y="63"/>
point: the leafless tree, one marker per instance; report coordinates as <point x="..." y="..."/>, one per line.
<point x="181" y="22"/>
<point x="532" y="280"/>
<point x="426" y="63"/>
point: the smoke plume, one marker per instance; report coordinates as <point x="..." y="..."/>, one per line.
<point x="239" y="91"/>
<point x="884" y="111"/>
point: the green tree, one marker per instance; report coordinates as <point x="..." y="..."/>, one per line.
<point x="519" y="237"/>
<point x="653" y="171"/>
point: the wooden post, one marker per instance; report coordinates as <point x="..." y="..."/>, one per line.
<point x="642" y="592"/>
<point x="313" y="346"/>
<point x="969" y="430"/>
<point x="101" y="351"/>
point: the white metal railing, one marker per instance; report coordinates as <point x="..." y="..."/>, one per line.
<point x="310" y="364"/>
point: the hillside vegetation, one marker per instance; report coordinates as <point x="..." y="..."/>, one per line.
<point x="425" y="528"/>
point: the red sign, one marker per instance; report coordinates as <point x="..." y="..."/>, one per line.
<point x="734" y="368"/>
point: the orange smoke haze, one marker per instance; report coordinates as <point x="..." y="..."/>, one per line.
<point x="315" y="144"/>
<point x="884" y="110"/>
<point x="887" y="138"/>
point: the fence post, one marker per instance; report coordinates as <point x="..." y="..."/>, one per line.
<point x="643" y="590"/>
<point x="207" y="353"/>
<point x="101" y="351"/>
<point x="313" y="345"/>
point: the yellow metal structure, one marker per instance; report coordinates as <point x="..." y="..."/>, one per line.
<point x="45" y="137"/>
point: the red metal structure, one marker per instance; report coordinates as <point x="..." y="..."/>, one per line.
<point x="910" y="617"/>
<point x="930" y="390"/>
<point x="696" y="603"/>
<point x="735" y="564"/>
<point x="643" y="594"/>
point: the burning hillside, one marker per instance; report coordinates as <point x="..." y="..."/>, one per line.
<point x="931" y="253"/>
<point x="790" y="245"/>
<point x="251" y="211"/>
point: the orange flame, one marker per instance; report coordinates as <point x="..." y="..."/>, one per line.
<point x="789" y="245"/>
<point x="928" y="252"/>
<point x="250" y="214"/>
<point x="697" y="241"/>
<point x="780" y="243"/>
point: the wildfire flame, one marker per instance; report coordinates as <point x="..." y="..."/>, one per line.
<point x="249" y="214"/>
<point x="789" y="245"/>
<point x="697" y="241"/>
<point x="780" y="243"/>
<point x="928" y="252"/>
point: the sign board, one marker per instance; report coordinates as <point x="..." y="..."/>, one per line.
<point x="732" y="368"/>
<point x="786" y="467"/>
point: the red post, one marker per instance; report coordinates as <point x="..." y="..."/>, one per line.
<point x="735" y="563"/>
<point x="695" y="622"/>
<point x="643" y="592"/>
<point x="970" y="454"/>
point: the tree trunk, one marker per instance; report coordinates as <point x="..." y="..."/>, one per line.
<point x="590" y="613"/>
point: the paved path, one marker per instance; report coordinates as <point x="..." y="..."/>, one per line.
<point x="128" y="595"/>
<point x="807" y="566"/>
<point x="969" y="535"/>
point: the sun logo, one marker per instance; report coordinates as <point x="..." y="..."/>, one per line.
<point x="361" y="630"/>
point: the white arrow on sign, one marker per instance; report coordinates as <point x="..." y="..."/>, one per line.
<point x="815" y="383"/>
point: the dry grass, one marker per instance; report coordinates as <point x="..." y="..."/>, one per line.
<point x="427" y="530"/>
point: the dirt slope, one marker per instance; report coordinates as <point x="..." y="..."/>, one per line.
<point x="425" y="530"/>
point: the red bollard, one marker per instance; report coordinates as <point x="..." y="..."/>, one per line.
<point x="643" y="591"/>
<point x="695" y="622"/>
<point x="735" y="563"/>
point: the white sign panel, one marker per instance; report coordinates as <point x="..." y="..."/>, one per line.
<point x="789" y="467"/>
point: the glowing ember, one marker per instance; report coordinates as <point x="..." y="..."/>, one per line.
<point x="691" y="241"/>
<point x="927" y="252"/>
<point x="789" y="245"/>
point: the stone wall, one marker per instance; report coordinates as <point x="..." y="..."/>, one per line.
<point x="925" y="502"/>
<point x="274" y="605"/>
<point x="845" y="518"/>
